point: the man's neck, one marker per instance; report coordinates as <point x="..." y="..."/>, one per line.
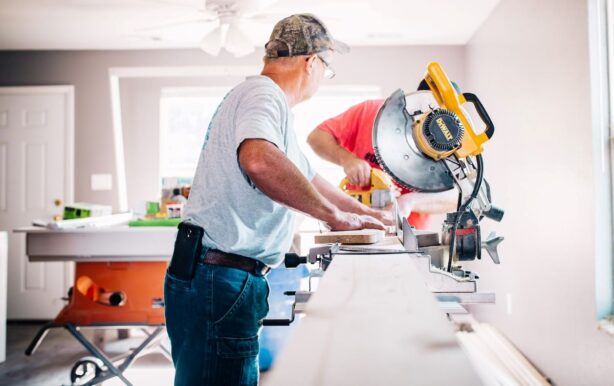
<point x="290" y="85"/>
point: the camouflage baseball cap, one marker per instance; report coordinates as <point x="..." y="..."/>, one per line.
<point x="302" y="34"/>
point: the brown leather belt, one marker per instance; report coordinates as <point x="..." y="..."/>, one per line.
<point x="230" y="260"/>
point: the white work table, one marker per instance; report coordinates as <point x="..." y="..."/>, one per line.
<point x="372" y="322"/>
<point x="100" y="244"/>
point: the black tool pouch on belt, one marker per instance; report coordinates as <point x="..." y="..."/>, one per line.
<point x="188" y="247"/>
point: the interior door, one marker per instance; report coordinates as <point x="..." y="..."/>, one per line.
<point x="36" y="153"/>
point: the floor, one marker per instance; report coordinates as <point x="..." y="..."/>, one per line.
<point x="51" y="364"/>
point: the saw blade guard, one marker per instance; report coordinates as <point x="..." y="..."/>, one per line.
<point x="396" y="150"/>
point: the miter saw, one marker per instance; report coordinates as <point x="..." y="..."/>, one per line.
<point x="426" y="141"/>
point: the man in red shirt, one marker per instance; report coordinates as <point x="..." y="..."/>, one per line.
<point x="346" y="140"/>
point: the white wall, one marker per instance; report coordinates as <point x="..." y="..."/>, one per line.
<point x="529" y="63"/>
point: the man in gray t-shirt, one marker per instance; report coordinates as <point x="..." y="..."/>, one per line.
<point x="251" y="178"/>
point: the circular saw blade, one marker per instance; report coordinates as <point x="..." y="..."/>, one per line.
<point x="396" y="150"/>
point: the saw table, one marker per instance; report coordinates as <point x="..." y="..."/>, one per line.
<point x="118" y="243"/>
<point x="128" y="263"/>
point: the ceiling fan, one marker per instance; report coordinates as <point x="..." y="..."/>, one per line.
<point x="231" y="17"/>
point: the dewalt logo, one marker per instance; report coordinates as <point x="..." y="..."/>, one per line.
<point x="444" y="128"/>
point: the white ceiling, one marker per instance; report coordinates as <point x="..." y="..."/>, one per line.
<point x="116" y="24"/>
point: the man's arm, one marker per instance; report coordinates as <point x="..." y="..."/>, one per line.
<point x="277" y="177"/>
<point x="325" y="145"/>
<point x="347" y="203"/>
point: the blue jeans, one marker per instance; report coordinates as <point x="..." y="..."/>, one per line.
<point x="213" y="322"/>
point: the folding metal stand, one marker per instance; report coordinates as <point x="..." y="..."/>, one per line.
<point x="95" y="369"/>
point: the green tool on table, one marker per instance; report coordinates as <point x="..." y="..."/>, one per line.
<point x="155" y="222"/>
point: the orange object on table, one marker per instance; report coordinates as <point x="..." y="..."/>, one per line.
<point x="141" y="281"/>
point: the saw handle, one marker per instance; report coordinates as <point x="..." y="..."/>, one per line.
<point x="346" y="186"/>
<point x="479" y="107"/>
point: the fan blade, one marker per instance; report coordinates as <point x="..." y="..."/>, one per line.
<point x="237" y="42"/>
<point x="204" y="18"/>
<point x="212" y="42"/>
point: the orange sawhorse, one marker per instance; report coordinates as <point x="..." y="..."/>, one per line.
<point x="141" y="284"/>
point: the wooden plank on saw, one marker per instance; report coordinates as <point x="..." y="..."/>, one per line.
<point x="363" y="236"/>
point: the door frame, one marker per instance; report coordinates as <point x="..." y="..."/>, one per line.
<point x="69" y="144"/>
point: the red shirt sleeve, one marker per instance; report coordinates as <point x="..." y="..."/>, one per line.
<point x="352" y="128"/>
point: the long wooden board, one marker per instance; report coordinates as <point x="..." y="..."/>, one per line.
<point x="372" y="322"/>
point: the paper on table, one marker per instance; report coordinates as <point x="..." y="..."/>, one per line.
<point x="89" y="222"/>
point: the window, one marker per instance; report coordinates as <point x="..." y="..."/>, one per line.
<point x="184" y="117"/>
<point x="601" y="40"/>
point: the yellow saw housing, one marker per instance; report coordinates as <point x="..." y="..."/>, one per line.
<point x="451" y="126"/>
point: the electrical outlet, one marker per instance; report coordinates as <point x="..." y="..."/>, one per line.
<point x="102" y="182"/>
<point x="508" y="302"/>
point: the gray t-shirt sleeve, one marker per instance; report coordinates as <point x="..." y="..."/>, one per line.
<point x="264" y="115"/>
<point x="260" y="116"/>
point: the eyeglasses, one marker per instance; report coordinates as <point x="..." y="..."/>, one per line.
<point x="329" y="73"/>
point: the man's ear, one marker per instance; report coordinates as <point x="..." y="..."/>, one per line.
<point x="309" y="64"/>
